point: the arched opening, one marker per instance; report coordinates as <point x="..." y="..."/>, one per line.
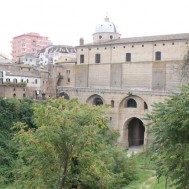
<point x="65" y="95"/>
<point x="131" y="103"/>
<point x="136" y="131"/>
<point x="97" y="101"/>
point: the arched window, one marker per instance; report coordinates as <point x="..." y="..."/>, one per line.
<point x="145" y="106"/>
<point x="97" y="101"/>
<point x="131" y="103"/>
<point x="14" y="95"/>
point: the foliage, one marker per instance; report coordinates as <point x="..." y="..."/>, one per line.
<point x="169" y="122"/>
<point x="12" y="110"/>
<point x="72" y="147"/>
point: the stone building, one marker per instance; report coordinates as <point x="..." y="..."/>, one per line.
<point x="23" y="81"/>
<point x="129" y="74"/>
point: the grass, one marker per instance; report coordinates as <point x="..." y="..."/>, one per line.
<point x="7" y="187"/>
<point x="142" y="176"/>
<point x="146" y="175"/>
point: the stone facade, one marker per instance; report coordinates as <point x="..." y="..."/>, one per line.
<point x="129" y="74"/>
<point x="22" y="81"/>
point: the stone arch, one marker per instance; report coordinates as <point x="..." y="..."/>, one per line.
<point x="129" y="102"/>
<point x="134" y="132"/>
<point x="65" y="95"/>
<point x="95" y="100"/>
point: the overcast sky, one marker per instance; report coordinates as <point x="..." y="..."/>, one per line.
<point x="66" y="21"/>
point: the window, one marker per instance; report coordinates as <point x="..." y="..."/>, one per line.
<point x="158" y="55"/>
<point x="1" y="74"/>
<point x="24" y="95"/>
<point x="14" y="80"/>
<point x="111" y="37"/>
<point x="35" y="81"/>
<point x="112" y="103"/>
<point x="100" y="37"/>
<point x="14" y="95"/>
<point x="1" y="80"/>
<point x="27" y="80"/>
<point x="7" y="80"/>
<point x="145" y="106"/>
<point x="131" y="103"/>
<point x="97" y="58"/>
<point x="68" y="75"/>
<point x="82" y="58"/>
<point x="128" y="57"/>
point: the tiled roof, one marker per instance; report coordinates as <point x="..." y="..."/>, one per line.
<point x="62" y="49"/>
<point x="156" y="38"/>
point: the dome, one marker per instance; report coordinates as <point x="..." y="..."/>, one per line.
<point x="106" y="26"/>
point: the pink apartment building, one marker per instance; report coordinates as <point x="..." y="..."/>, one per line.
<point x="29" y="43"/>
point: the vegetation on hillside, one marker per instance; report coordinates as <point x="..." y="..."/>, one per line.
<point x="11" y="111"/>
<point x="61" y="144"/>
<point x="169" y="122"/>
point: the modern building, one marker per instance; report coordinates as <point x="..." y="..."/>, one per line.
<point x="30" y="43"/>
<point x="129" y="74"/>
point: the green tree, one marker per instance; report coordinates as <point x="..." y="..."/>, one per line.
<point x="72" y="147"/>
<point x="169" y="122"/>
<point x="11" y="111"/>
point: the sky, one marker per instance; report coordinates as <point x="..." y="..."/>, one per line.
<point x="66" y="21"/>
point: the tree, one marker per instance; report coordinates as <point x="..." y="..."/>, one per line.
<point x="169" y="122"/>
<point x="12" y="110"/>
<point x="72" y="147"/>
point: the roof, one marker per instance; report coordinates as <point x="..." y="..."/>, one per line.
<point x="59" y="48"/>
<point x="156" y="38"/>
<point x="106" y="26"/>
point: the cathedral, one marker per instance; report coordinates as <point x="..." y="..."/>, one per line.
<point x="129" y="74"/>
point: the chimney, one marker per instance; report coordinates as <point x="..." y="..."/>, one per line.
<point x="81" y="41"/>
